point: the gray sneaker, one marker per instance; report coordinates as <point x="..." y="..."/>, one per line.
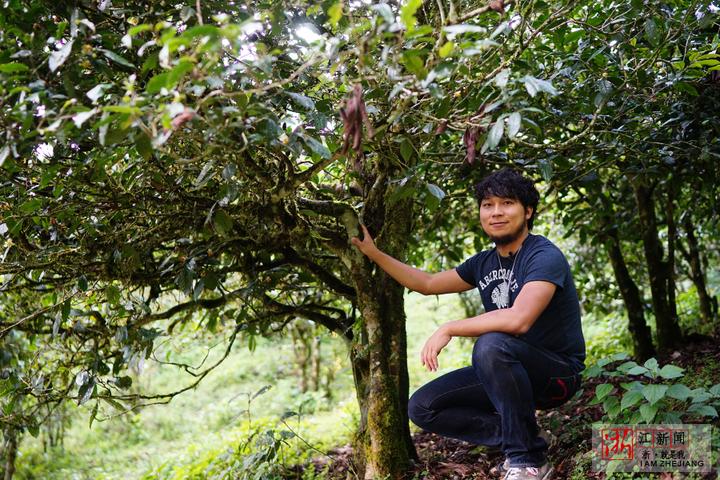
<point x="529" y="473"/>
<point x="501" y="469"/>
<point x="498" y="471"/>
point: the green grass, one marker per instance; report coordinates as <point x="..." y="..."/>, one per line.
<point x="203" y="423"/>
<point x="211" y="417"/>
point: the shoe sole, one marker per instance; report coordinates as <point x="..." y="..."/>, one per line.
<point x="547" y="476"/>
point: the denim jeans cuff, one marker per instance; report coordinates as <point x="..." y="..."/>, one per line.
<point x="524" y="461"/>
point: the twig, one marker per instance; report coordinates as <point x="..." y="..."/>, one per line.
<point x="198" y="12"/>
<point x="480" y="11"/>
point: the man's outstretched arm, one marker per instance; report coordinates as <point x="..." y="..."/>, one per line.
<point x="410" y="277"/>
<point x="533" y="299"/>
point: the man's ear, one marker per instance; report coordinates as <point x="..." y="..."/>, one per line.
<point x="528" y="213"/>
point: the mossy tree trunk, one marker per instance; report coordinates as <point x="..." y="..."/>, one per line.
<point x="383" y="445"/>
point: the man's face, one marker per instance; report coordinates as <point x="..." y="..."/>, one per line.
<point x="504" y="219"/>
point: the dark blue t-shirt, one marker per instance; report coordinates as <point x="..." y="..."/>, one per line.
<point x="558" y="327"/>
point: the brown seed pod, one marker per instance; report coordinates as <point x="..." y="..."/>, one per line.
<point x="353" y="115"/>
<point x="442" y="126"/>
<point x="497" y="5"/>
<point x="185" y="116"/>
<point x="470" y="141"/>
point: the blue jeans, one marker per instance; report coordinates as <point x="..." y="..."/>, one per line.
<point x="493" y="402"/>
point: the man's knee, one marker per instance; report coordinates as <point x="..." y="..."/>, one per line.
<point x="490" y="348"/>
<point x="419" y="413"/>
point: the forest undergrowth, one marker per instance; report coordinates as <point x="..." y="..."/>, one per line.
<point x="442" y="458"/>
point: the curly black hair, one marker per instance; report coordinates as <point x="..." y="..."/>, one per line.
<point x="508" y="183"/>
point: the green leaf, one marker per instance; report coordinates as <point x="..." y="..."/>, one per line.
<point x="157" y="83"/>
<point x="302" y="100"/>
<point x="637" y="370"/>
<point x="715" y="390"/>
<point x="144" y="146"/>
<point x="112" y="294"/>
<point x="535" y="85"/>
<point x="514" y="121"/>
<point x="679" y="392"/>
<point x="700" y="395"/>
<point x="184" y="280"/>
<point x="687" y="88"/>
<point x="630" y="399"/>
<point x="33" y="429"/>
<point x="124" y="382"/>
<point x="654" y="393"/>
<point x="81" y="117"/>
<point x="546" y="169"/>
<point x="652" y="31"/>
<point x="635" y="385"/>
<point x="446" y="49"/>
<point x="602" y="390"/>
<point x="493" y="138"/>
<point x="86" y="391"/>
<point x="335" y="13"/>
<point x="93" y="414"/>
<point x="603" y="361"/>
<point x="436" y="191"/>
<point x="116" y="58"/>
<point x="317" y="147"/>
<point x="671" y="418"/>
<point x="593" y="371"/>
<point x="648" y="412"/>
<point x="4" y="154"/>
<point x="261" y="391"/>
<point x="97" y="91"/>
<point x="58" y="57"/>
<point x="114" y="403"/>
<point x="13" y="67"/>
<point x="178" y="72"/>
<point x="31" y="205"/>
<point x="626" y="367"/>
<point x="671" y="371"/>
<point x="703" y="410"/>
<point x="133" y="31"/>
<point x="123" y="109"/>
<point x="611" y="405"/>
<point x="413" y="61"/>
<point x="619" y="356"/>
<point x="407" y="14"/>
<point x="406" y="149"/>
<point x="651" y="364"/>
<point x="199" y="31"/>
<point x="223" y="222"/>
<point x="404" y="191"/>
<point x="463" y="28"/>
